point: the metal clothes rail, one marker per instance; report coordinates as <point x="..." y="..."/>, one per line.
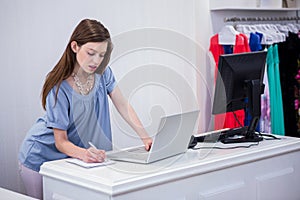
<point x="252" y="19"/>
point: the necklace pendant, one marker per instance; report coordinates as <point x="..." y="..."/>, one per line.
<point x="83" y="88"/>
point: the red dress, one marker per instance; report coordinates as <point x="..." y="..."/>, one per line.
<point x="227" y="120"/>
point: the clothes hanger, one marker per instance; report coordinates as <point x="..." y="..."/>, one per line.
<point x="283" y="29"/>
<point x="268" y="38"/>
<point x="292" y="28"/>
<point x="277" y="36"/>
<point x="281" y="34"/>
<point x="227" y="36"/>
<point x="297" y="26"/>
<point x="245" y="29"/>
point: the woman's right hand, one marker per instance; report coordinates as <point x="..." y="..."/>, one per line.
<point x="94" y="155"/>
<point x="63" y="144"/>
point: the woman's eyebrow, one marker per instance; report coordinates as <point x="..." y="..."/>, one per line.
<point x="92" y="49"/>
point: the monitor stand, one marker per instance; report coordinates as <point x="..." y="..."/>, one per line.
<point x="239" y="135"/>
<point x="248" y="134"/>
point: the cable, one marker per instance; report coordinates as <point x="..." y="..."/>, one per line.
<point x="234" y="147"/>
<point x="236" y="119"/>
<point x="272" y="137"/>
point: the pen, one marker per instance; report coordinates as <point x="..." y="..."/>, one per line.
<point x="93" y="146"/>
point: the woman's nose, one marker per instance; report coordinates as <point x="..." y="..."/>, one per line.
<point x="97" y="60"/>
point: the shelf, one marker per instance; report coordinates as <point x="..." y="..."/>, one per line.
<point x="253" y="9"/>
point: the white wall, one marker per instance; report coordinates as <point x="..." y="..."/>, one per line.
<point x="34" y="34"/>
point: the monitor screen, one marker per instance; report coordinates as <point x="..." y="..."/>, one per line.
<point x="240" y="76"/>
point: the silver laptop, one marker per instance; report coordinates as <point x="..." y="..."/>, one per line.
<point x="172" y="138"/>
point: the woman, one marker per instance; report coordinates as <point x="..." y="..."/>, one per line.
<point x="75" y="98"/>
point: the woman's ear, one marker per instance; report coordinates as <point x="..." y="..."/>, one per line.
<point x="74" y="46"/>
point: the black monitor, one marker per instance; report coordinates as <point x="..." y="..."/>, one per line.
<point x="240" y="77"/>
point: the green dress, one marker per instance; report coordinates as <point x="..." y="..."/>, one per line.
<point x="277" y="117"/>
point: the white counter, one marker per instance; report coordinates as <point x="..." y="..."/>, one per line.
<point x="270" y="170"/>
<point x="11" y="195"/>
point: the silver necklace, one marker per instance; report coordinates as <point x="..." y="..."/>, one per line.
<point x="84" y="88"/>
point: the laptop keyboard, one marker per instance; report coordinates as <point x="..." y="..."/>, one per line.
<point x="141" y="156"/>
<point x="137" y="150"/>
<point x="138" y="153"/>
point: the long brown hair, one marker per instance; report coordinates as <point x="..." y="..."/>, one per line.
<point x="86" y="31"/>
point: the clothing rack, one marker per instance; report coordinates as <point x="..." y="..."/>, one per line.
<point x="252" y="19"/>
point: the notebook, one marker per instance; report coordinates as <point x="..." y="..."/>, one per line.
<point x="88" y="165"/>
<point x="171" y="138"/>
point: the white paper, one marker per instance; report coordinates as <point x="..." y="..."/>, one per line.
<point x="88" y="165"/>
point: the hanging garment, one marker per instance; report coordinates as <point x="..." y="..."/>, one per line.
<point x="288" y="55"/>
<point x="255" y="42"/>
<point x="270" y="73"/>
<point x="241" y="45"/>
<point x="265" y="118"/>
<point x="277" y="119"/>
<point x="279" y="107"/>
<point x="297" y="97"/>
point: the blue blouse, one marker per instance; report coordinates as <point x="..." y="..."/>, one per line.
<point x="85" y="118"/>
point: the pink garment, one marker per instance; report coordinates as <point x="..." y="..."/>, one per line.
<point x="265" y="119"/>
<point x="228" y="120"/>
